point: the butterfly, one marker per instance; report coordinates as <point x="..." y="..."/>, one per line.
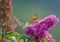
<point x="34" y="18"/>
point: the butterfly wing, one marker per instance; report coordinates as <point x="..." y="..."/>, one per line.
<point x="34" y="18"/>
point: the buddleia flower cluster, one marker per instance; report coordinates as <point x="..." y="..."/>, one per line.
<point x="41" y="29"/>
<point x="6" y="20"/>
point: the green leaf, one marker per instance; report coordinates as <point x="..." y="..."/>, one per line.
<point x="10" y="35"/>
<point x="0" y="36"/>
<point x="21" y="40"/>
<point x="44" y="40"/>
<point x="25" y="24"/>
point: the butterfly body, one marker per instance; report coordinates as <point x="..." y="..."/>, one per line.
<point x="34" y="18"/>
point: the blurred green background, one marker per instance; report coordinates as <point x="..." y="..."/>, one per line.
<point x="24" y="9"/>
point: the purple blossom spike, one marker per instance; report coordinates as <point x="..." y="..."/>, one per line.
<point x="38" y="40"/>
<point x="49" y="37"/>
<point x="41" y="28"/>
<point x="29" y="30"/>
<point x="47" y="23"/>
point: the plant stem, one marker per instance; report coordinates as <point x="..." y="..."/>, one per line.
<point x="29" y="39"/>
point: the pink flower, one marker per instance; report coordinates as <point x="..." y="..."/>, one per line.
<point x="38" y="40"/>
<point x="49" y="37"/>
<point x="47" y="23"/>
<point x="13" y="26"/>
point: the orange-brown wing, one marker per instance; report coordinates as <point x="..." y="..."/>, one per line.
<point x="34" y="18"/>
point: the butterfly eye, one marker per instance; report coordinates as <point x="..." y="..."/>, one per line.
<point x="34" y="18"/>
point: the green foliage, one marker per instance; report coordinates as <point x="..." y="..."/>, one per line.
<point x="0" y="36"/>
<point x="10" y="35"/>
<point x="44" y="40"/>
<point x="25" y="24"/>
<point x="21" y="40"/>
